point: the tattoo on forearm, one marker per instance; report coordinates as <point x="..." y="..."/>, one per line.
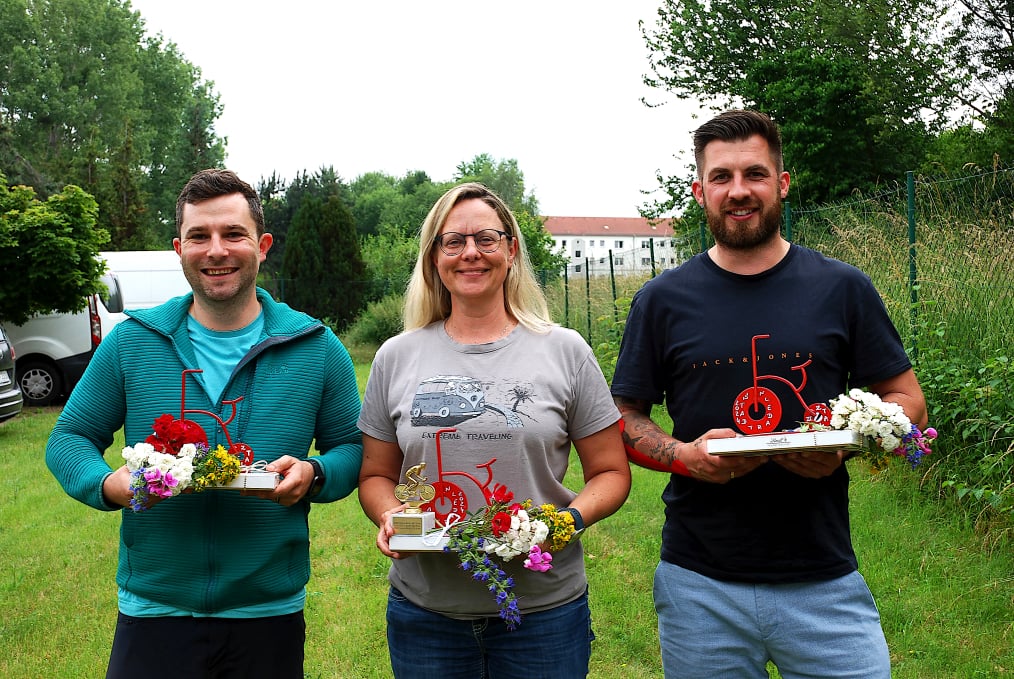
<point x="641" y="432"/>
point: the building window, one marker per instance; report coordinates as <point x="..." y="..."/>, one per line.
<point x="645" y="261"/>
<point x="577" y="253"/>
<point x="618" y="244"/>
<point x="602" y="260"/>
<point x="602" y="243"/>
<point x="563" y="243"/>
<point x="618" y="261"/>
<point x="577" y="268"/>
<point x="644" y="244"/>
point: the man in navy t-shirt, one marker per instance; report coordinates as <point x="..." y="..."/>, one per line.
<point x="757" y="562"/>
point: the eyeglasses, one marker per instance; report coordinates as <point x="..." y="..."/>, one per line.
<point x="487" y="240"/>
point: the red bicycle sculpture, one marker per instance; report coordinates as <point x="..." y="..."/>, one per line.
<point x="758" y="410"/>
<point x="449" y="498"/>
<point x="241" y="450"/>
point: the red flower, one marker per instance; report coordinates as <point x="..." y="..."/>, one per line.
<point x="501" y="523"/>
<point x="171" y="434"/>
<point x="501" y="494"/>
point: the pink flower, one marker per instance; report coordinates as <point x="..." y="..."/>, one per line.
<point x="160" y="485"/>
<point x="538" y="560"/>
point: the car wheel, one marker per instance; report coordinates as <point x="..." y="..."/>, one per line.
<point x="39" y="382"/>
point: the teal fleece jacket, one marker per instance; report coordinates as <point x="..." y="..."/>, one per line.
<point x="215" y="550"/>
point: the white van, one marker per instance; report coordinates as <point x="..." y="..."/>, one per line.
<point x="148" y="277"/>
<point x="54" y="349"/>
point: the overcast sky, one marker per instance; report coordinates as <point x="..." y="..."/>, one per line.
<point x="394" y="86"/>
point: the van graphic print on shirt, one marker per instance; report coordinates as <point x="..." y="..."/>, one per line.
<point x="448" y="400"/>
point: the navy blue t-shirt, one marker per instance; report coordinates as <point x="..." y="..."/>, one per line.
<point x="804" y="332"/>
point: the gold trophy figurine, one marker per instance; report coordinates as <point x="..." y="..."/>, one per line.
<point x="415" y="492"/>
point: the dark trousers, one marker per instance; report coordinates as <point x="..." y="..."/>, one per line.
<point x="208" y="648"/>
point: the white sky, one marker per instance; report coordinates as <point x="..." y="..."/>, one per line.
<point x="400" y="85"/>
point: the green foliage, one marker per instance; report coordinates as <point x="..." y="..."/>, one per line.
<point x="854" y="82"/>
<point x="843" y="139"/>
<point x="970" y="406"/>
<point x="546" y="262"/>
<point x="389" y="257"/>
<point x="322" y="264"/>
<point x="381" y="202"/>
<point x="87" y="99"/>
<point x="50" y="251"/>
<point x="503" y="177"/>
<point x="379" y="322"/>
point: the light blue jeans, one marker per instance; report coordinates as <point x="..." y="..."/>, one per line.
<point x="709" y="628"/>
<point x="553" y="644"/>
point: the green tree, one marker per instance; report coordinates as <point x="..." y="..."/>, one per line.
<point x="322" y="262"/>
<point x="389" y="257"/>
<point x="281" y="201"/>
<point x="867" y="77"/>
<point x="546" y="262"/>
<point x="49" y="251"/>
<point x="504" y="177"/>
<point x="87" y="99"/>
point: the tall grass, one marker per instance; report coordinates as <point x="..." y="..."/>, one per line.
<point x="947" y="605"/>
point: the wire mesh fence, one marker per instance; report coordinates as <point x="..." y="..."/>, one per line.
<point x="937" y="248"/>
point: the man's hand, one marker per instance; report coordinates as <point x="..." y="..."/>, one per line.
<point x="812" y="464"/>
<point x="704" y="466"/>
<point x="298" y="477"/>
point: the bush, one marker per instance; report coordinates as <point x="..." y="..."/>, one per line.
<point x="381" y="321"/>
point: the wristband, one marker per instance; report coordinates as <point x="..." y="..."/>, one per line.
<point x="578" y="521"/>
<point x="318" y="479"/>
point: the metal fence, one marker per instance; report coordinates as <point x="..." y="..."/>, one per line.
<point x="938" y="249"/>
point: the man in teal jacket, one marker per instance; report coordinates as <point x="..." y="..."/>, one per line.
<point x="218" y="576"/>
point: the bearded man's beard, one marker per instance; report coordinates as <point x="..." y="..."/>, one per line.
<point x="745" y="237"/>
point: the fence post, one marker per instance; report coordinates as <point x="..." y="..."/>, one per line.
<point x="787" y="219"/>
<point x="612" y="284"/>
<point x="566" y="296"/>
<point x="587" y="296"/>
<point x="651" y="254"/>
<point x="913" y="285"/>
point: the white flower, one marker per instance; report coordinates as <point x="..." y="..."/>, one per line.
<point x="864" y="412"/>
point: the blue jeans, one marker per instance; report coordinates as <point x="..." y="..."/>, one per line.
<point x="708" y="628"/>
<point x="552" y="644"/>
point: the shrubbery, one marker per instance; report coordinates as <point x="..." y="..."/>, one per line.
<point x="381" y="320"/>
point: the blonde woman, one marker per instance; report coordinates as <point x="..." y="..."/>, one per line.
<point x="479" y="355"/>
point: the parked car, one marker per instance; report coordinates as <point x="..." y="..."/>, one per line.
<point x="55" y="349"/>
<point x="10" y="395"/>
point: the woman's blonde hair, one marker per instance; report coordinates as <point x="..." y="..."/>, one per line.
<point x="427" y="300"/>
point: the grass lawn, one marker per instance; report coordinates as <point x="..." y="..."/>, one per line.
<point x="947" y="603"/>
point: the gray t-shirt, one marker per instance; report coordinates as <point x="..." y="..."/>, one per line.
<point x="515" y="405"/>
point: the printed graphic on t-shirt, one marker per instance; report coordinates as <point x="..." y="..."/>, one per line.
<point x="491" y="409"/>
<point x="451" y="487"/>
<point x="758" y="410"/>
<point x="449" y="400"/>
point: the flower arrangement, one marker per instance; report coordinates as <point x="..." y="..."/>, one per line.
<point x="176" y="457"/>
<point x="884" y="424"/>
<point x="505" y="529"/>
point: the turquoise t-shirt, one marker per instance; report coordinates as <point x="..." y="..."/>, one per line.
<point x="218" y="351"/>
